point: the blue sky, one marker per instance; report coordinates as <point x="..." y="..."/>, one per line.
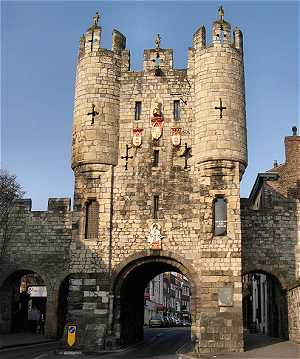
<point x="38" y="57"/>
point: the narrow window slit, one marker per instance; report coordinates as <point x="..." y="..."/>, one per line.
<point x="155" y="206"/>
<point x="137" y="110"/>
<point x="155" y="158"/>
<point x="176" y="110"/>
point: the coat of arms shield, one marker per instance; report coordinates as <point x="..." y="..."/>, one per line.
<point x="176" y="136"/>
<point x="157" y="124"/>
<point x="137" y="134"/>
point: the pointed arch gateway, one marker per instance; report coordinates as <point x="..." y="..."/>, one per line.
<point x="129" y="282"/>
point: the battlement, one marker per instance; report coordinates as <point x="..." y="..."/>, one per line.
<point x="221" y="35"/>
<point x="90" y="42"/>
<point x="156" y="60"/>
<point x="54" y="205"/>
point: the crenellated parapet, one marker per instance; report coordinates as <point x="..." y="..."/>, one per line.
<point x="54" y="205"/>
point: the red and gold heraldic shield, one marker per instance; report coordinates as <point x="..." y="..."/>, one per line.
<point x="137" y="134"/>
<point x="176" y="136"/>
<point x="157" y="124"/>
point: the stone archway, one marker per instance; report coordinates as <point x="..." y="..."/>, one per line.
<point x="265" y="307"/>
<point x="19" y="308"/>
<point x="129" y="282"/>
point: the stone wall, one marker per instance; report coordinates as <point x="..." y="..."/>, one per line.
<point x="39" y="242"/>
<point x="271" y="239"/>
<point x="294" y="314"/>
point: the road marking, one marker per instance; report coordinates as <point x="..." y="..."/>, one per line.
<point x="181" y="347"/>
<point x="41" y="356"/>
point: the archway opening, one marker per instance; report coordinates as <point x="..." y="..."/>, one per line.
<point x="136" y="305"/>
<point x="23" y="298"/>
<point x="264" y="305"/>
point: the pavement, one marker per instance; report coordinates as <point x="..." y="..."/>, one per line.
<point x="21" y="339"/>
<point x="257" y="347"/>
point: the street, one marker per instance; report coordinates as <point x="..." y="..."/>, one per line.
<point x="164" y="343"/>
<point x="159" y="343"/>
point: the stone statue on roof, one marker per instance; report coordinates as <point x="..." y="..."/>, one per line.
<point x="96" y="18"/>
<point x="221" y="13"/>
<point x="157" y="42"/>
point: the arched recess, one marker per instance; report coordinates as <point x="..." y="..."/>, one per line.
<point x="129" y="282"/>
<point x="265" y="309"/>
<point x="16" y="313"/>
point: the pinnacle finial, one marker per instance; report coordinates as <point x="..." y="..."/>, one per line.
<point x="96" y="18"/>
<point x="157" y="41"/>
<point x="221" y="13"/>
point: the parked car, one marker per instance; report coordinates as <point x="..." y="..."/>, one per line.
<point x="156" y="322"/>
<point x="177" y="322"/>
<point x="186" y="323"/>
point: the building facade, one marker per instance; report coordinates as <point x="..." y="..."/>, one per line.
<point x="158" y="156"/>
<point x="154" y="298"/>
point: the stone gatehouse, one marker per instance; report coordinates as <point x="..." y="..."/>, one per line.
<point x="158" y="156"/>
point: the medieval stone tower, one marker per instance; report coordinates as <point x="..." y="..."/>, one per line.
<point x="158" y="156"/>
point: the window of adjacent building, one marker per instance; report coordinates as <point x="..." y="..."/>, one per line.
<point x="138" y="110"/>
<point x="155" y="158"/>
<point x="155" y="206"/>
<point x="176" y="110"/>
<point x="92" y="219"/>
<point x="220" y="216"/>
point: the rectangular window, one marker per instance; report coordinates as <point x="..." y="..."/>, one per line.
<point x="220" y="216"/>
<point x="176" y="110"/>
<point x="92" y="219"/>
<point x="155" y="206"/>
<point x="155" y="158"/>
<point x="138" y="110"/>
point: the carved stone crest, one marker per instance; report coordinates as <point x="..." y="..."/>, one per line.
<point x="155" y="237"/>
<point x="176" y="136"/>
<point x="137" y="134"/>
<point x="157" y="124"/>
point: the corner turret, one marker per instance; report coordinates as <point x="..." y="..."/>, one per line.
<point x="96" y="106"/>
<point x="220" y="116"/>
<point x="95" y="142"/>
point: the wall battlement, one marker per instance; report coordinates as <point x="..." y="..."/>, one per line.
<point x="54" y="205"/>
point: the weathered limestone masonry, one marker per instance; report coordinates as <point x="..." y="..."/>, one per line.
<point x="39" y="243"/>
<point x="212" y="123"/>
<point x="294" y="314"/>
<point x="271" y="231"/>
